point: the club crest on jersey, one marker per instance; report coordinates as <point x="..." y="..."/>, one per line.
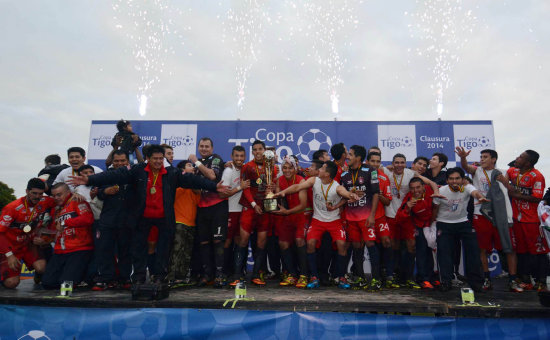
<point x="538" y="185"/>
<point x="83" y="207"/>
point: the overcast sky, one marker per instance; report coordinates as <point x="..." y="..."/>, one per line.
<point x="65" y="63"/>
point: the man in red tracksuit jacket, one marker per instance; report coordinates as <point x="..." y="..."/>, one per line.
<point x="74" y="243"/>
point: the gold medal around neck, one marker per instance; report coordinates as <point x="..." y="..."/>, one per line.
<point x="259" y="181"/>
<point x="153" y="191"/>
<point x="27" y="229"/>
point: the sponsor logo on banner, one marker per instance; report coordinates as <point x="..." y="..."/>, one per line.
<point x="101" y="136"/>
<point x="145" y="140"/>
<point x="394" y="139"/>
<point x="181" y="137"/>
<point x="286" y="143"/>
<point x="474" y="138"/>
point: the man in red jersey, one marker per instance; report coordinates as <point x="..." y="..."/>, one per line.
<point x="290" y="225"/>
<point x="253" y="216"/>
<point x="526" y="190"/>
<point x="340" y="154"/>
<point x="382" y="229"/>
<point x="19" y="222"/>
<point x="74" y="243"/>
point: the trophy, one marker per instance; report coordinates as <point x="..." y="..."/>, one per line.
<point x="270" y="203"/>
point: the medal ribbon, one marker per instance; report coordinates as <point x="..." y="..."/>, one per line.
<point x="257" y="169"/>
<point x="325" y="195"/>
<point x="400" y="182"/>
<point x="461" y="189"/>
<point x="32" y="213"/>
<point x="353" y="179"/>
<point x="487" y="176"/>
<point x="155" y="177"/>
<point x="518" y="179"/>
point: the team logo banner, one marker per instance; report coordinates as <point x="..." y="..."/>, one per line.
<point x="302" y="138"/>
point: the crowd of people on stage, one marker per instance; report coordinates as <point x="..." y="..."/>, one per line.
<point x="191" y="223"/>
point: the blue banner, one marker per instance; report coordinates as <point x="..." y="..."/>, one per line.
<point x="302" y="138"/>
<point x="42" y="323"/>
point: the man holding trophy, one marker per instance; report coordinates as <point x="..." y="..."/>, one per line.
<point x="256" y="201"/>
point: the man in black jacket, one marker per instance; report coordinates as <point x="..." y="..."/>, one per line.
<point x="155" y="189"/>
<point x="51" y="170"/>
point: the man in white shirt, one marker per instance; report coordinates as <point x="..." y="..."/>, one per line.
<point x="77" y="157"/>
<point x="451" y="215"/>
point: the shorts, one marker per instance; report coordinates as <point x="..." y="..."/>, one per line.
<point x="251" y="221"/>
<point x="29" y="255"/>
<point x="290" y="227"/>
<point x="382" y="228"/>
<point x="529" y="238"/>
<point x="153" y="235"/>
<point x="487" y="234"/>
<point x="318" y="228"/>
<point x="233" y="224"/>
<point x="400" y="231"/>
<point x="357" y="231"/>
<point x="212" y="222"/>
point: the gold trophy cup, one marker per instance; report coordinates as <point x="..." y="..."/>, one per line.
<point x="270" y="203"/>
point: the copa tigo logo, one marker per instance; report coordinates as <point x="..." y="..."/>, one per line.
<point x="394" y="142"/>
<point x="102" y="141"/>
<point x="470" y="142"/>
<point x="175" y="141"/>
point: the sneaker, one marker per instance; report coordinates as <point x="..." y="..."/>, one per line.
<point x="502" y="275"/>
<point x="205" y="281"/>
<point x="457" y="283"/>
<point x="487" y="284"/>
<point x="288" y="281"/>
<point x="426" y="285"/>
<point x="259" y="281"/>
<point x="271" y="275"/>
<point x="343" y="283"/>
<point x="101" y="286"/>
<point x="514" y="287"/>
<point x="540" y="287"/>
<point x="313" y="283"/>
<point x="412" y="284"/>
<point x="436" y="283"/>
<point x="37" y="278"/>
<point x="374" y="285"/>
<point x="302" y="282"/>
<point x="234" y="283"/>
<point x="220" y="282"/>
<point x="391" y="283"/>
<point x="126" y="285"/>
<point x="526" y="285"/>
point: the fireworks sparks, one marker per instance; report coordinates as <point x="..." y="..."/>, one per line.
<point x="442" y="27"/>
<point x="245" y="28"/>
<point x="325" y="26"/>
<point x="147" y="26"/>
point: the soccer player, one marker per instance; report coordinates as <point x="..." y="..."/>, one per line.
<point x="291" y="224"/>
<point x="526" y="190"/>
<point x="77" y="157"/>
<point x="339" y="153"/>
<point x="253" y="216"/>
<point x="19" y="223"/>
<point x="382" y="230"/>
<point x="113" y="233"/>
<point x="232" y="177"/>
<point x="168" y="154"/>
<point x="415" y="214"/>
<point x="487" y="234"/>
<point x="420" y="164"/>
<point x="398" y="176"/>
<point x="74" y="243"/>
<point x="155" y="190"/>
<point x="321" y="155"/>
<point x="451" y="215"/>
<point x="327" y="193"/>
<point x="212" y="215"/>
<point x="435" y="172"/>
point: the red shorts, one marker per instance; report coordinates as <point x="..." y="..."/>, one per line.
<point x="288" y="228"/>
<point x="357" y="231"/>
<point x="382" y="228"/>
<point x="487" y="234"/>
<point x="233" y="225"/>
<point x="153" y="235"/>
<point x="400" y="231"/>
<point x="318" y="228"/>
<point x="29" y="255"/>
<point x="529" y="238"/>
<point x="251" y="221"/>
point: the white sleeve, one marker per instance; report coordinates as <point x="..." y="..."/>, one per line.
<point x="97" y="170"/>
<point x="60" y="178"/>
<point x="387" y="172"/>
<point x="226" y="176"/>
<point x="469" y="189"/>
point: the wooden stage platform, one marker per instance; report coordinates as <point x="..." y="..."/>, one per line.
<point x="497" y="303"/>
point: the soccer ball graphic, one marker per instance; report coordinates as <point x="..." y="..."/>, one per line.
<point x="407" y="141"/>
<point x="34" y="335"/>
<point x="187" y="140"/>
<point x="484" y="142"/>
<point x="311" y="141"/>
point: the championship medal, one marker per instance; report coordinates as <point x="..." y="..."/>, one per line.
<point x="353" y="189"/>
<point x="27" y="228"/>
<point x="153" y="191"/>
<point x="259" y="181"/>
